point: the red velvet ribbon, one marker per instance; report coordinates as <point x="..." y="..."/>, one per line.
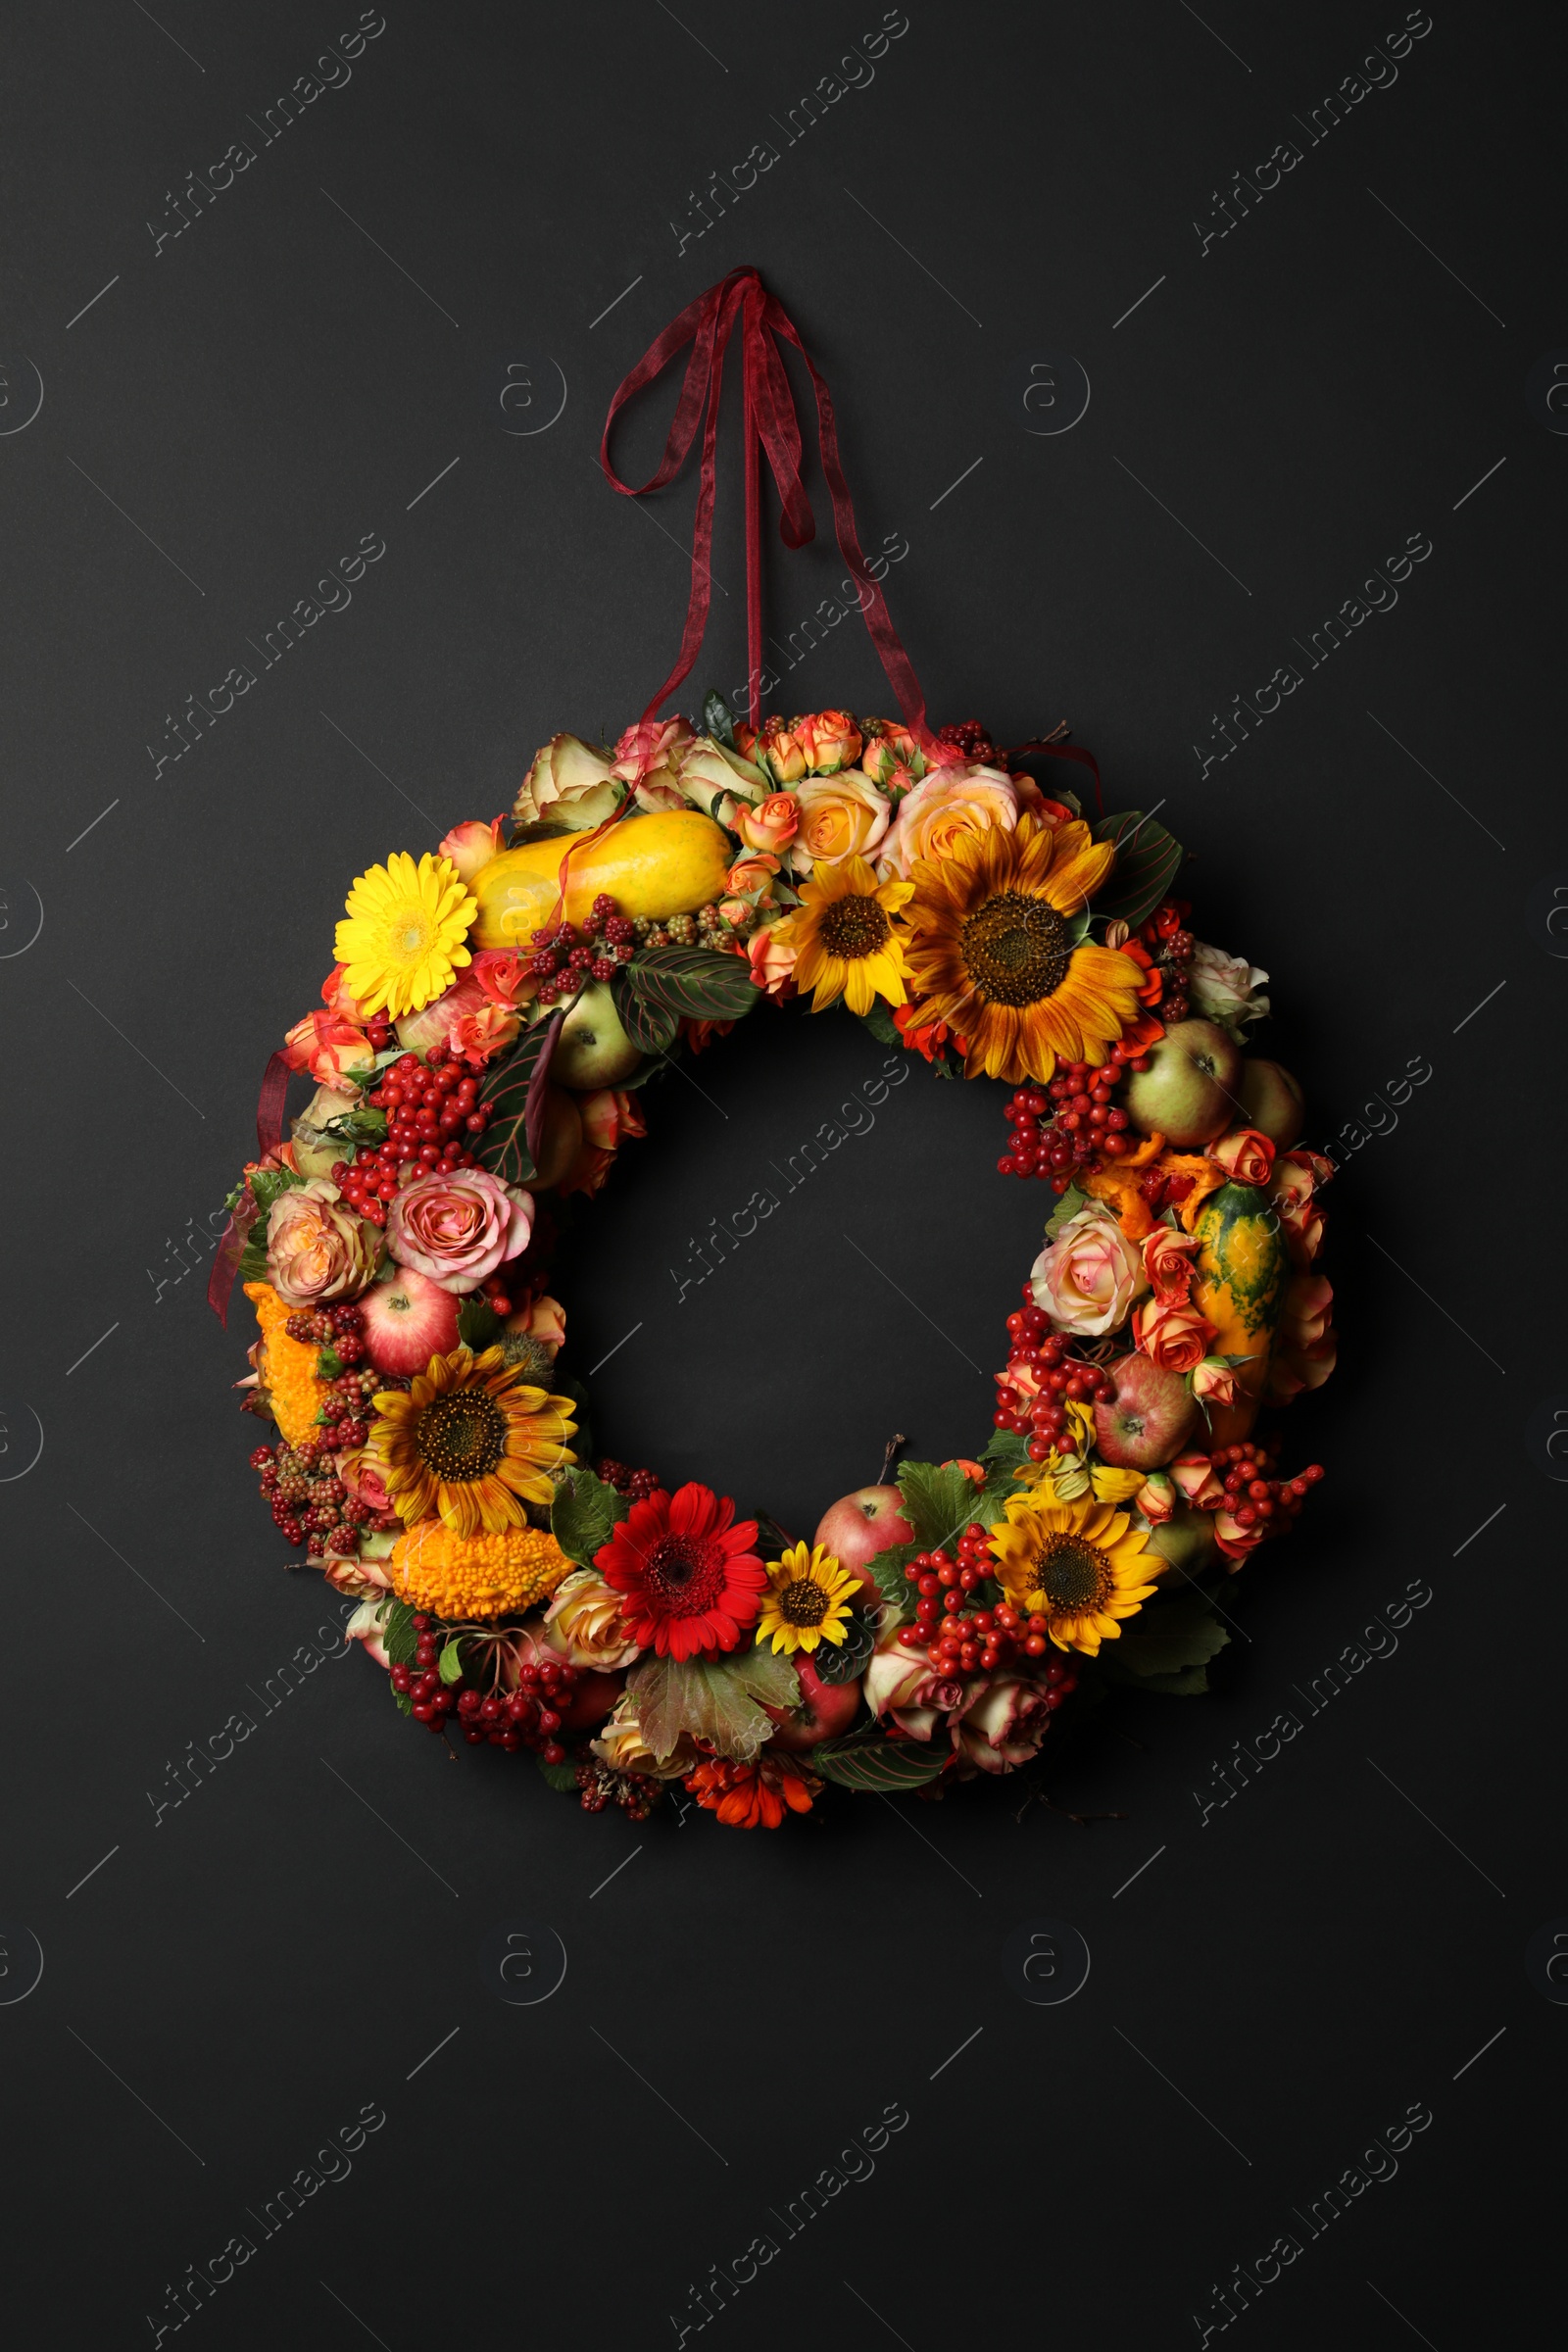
<point x="770" y="421"/>
<point x="236" y="1233"/>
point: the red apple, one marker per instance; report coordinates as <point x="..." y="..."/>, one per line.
<point x="825" y="1709"/>
<point x="408" y="1319"/>
<point x="859" y="1526"/>
<point x="1150" y="1418"/>
<point x="593" y="1695"/>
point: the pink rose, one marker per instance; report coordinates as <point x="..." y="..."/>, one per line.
<point x="1089" y="1276"/>
<point x="1199" y="1483"/>
<point x="457" y="1225"/>
<point x="317" y="1248"/>
<point x="361" y="1478"/>
<point x="1172" y="1333"/>
<point x="947" y="804"/>
<point x="773" y="825"/>
<point x="1298" y="1177"/>
<point x="473" y="844"/>
<point x="772" y="961"/>
<point x="1246" y="1155"/>
<point x="354" y="1574"/>
<point x="652" y="744"/>
<point x="1168" y="1262"/>
<point x="1003" y="1723"/>
<point x="328" y="1047"/>
<point x="904" y="1684"/>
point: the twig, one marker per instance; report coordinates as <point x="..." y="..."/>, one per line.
<point x="896" y="1439"/>
<point x="1038" y="1796"/>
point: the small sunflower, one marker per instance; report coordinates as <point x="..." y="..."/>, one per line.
<point x="469" y="1443"/>
<point x="808" y="1600"/>
<point x="992" y="951"/>
<point x="402" y="940"/>
<point x="1080" y="1565"/>
<point x="844" y="938"/>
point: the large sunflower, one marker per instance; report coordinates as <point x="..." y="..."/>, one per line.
<point x="991" y="951"/>
<point x="402" y="940"/>
<point x="1082" y="1566"/>
<point x="471" y="1442"/>
<point x="844" y="936"/>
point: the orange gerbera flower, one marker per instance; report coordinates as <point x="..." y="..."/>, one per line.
<point x="753" y="1796"/>
<point x="992" y="951"/>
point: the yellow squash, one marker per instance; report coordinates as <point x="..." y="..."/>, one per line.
<point x="1239" y="1278"/>
<point x="669" y="862"/>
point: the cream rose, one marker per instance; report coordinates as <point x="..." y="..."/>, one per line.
<point x="621" y="1744"/>
<point x="583" y="1624"/>
<point x="948" y="804"/>
<point x="317" y="1248"/>
<point x="1090" y="1276"/>
<point x="568" y="785"/>
<point x="841" y="817"/>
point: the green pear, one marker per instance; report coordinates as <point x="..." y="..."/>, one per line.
<point x="1185" y="1542"/>
<point x="593" y="1050"/>
<point x="1190" y="1092"/>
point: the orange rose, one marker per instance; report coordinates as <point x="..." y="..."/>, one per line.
<point x="1214" y="1381"/>
<point x="841" y="817"/>
<point x="1172" y="1333"/>
<point x="777" y="752"/>
<point x="473" y="844"/>
<point x="610" y="1117"/>
<point x="773" y="960"/>
<point x="328" y="1046"/>
<point x="830" y="740"/>
<point x="1298" y="1177"/>
<point x="949" y="804"/>
<point x="1168" y="1262"/>
<point x="751" y="873"/>
<point x="1199" y="1483"/>
<point x="1246" y="1155"/>
<point x="773" y="825"/>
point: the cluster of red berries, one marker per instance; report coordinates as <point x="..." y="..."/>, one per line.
<point x="1252" y="1495"/>
<point x="527" y="1717"/>
<point x="567" y="956"/>
<point x="310" y="1504"/>
<point x="635" y="1792"/>
<point x="335" y="1327"/>
<point x="961" y="1639"/>
<point x="635" y="1484"/>
<point x="1073" y="1125"/>
<point x="1166" y="937"/>
<point x="974" y="740"/>
<point x="1060" y="1379"/>
<point x="434" y="1115"/>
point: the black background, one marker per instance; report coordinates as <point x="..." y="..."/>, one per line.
<point x="227" y="417"/>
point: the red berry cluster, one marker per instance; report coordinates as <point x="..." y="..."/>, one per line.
<point x="311" y="1505"/>
<point x="1061" y="1379"/>
<point x="962" y="1639"/>
<point x="1252" y="1494"/>
<point x="635" y="1484"/>
<point x="1073" y="1125"/>
<point x="527" y="1717"/>
<point x="974" y="740"/>
<point x="635" y="1792"/>
<point x="566" y="957"/>
<point x="1169" y="942"/>
<point x="434" y="1115"/>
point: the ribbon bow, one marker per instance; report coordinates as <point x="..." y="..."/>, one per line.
<point x="769" y="423"/>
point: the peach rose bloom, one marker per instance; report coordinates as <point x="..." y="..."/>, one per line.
<point x="1298" y="1177"/>
<point x="1172" y="1334"/>
<point x="773" y="825"/>
<point x="1197" y="1480"/>
<point x="1305" y="1349"/>
<point x="751" y="873"/>
<point x="830" y="740"/>
<point x="328" y="1046"/>
<point x="318" y="1248"/>
<point x="947" y="804"/>
<point x="841" y="817"/>
<point x="1168" y="1262"/>
<point x="1089" y="1276"/>
<point x="583" y="1624"/>
<point x="473" y="844"/>
<point x="1246" y="1155"/>
<point x="771" y="958"/>
<point x="1214" y="1381"/>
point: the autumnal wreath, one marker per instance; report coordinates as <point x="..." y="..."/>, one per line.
<point x="495" y="1016"/>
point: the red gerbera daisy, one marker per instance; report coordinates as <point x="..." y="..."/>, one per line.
<point x="690" y="1582"/>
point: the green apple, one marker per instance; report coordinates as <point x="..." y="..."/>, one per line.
<point x="1190" y="1092"/>
<point x="593" y="1049"/>
<point x="1273" y="1101"/>
<point x="1185" y="1541"/>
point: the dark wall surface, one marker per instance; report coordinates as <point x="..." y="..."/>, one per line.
<point x="399" y="326"/>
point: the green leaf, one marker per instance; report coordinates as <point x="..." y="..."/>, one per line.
<point x="883" y="1027"/>
<point x="329" y="1363"/>
<point x="872" y="1762"/>
<point x="843" y="1661"/>
<point x="666" y="985"/>
<point x="479" y="1324"/>
<point x="266" y="1183"/>
<point x="1071" y="1201"/>
<point x="1168" y="1636"/>
<point x="513" y="1093"/>
<point x="559" y="1776"/>
<point x="718" y="720"/>
<point x="1006" y="1454"/>
<point x="583" y="1515"/>
<point x="1147" y="862"/>
<point x="397" y="1637"/>
<point x="650" y="1028"/>
<point x="719" y="1700"/>
<point x="362" y="1125"/>
<point x="937" y="1503"/>
<point x="450" y="1663"/>
<point x="771" y="1539"/>
<point x="252" y="1266"/>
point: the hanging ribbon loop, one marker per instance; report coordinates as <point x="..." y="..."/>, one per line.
<point x="772" y="425"/>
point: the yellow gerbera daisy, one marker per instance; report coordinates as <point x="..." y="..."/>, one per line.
<point x="1079" y="1565"/>
<point x="471" y="1442"/>
<point x="844" y="936"/>
<point x="808" y="1600"/>
<point x="402" y="941"/>
<point x="991" y="951"/>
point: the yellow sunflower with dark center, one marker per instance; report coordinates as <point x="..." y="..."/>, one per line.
<point x="469" y="1443"/>
<point x="808" y="1600"/>
<point x="992" y="951"/>
<point x="843" y="934"/>
<point x="1082" y="1566"/>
